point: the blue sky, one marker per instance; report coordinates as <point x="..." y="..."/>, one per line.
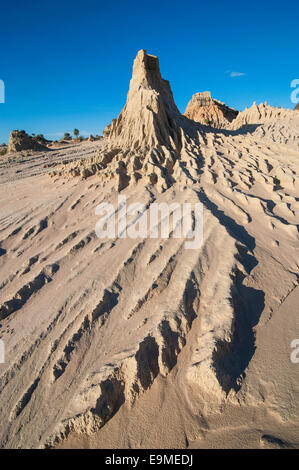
<point x="67" y="64"/>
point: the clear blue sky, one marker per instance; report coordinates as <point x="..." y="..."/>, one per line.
<point x="67" y="64"/>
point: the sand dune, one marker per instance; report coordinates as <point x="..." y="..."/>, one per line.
<point x="140" y="342"/>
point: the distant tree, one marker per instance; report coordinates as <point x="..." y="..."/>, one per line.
<point x="76" y="132"/>
<point x="67" y="135"/>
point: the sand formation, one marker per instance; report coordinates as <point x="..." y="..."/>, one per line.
<point x="274" y="124"/>
<point x="139" y="342"/>
<point x="20" y="140"/>
<point x="206" y="110"/>
<point x="149" y="139"/>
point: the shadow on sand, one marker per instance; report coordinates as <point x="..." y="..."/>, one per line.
<point x="231" y="358"/>
<point x="246" y="129"/>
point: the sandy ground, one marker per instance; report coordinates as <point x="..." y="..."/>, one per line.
<point x="138" y="342"/>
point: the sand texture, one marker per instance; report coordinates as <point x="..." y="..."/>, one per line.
<point x="141" y="342"/>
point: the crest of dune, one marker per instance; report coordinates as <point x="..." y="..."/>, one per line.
<point x="149" y="139"/>
<point x="150" y="117"/>
<point x="203" y="108"/>
<point x="274" y="124"/>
